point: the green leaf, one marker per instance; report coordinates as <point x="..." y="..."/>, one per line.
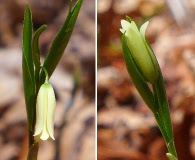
<point x="162" y="105"/>
<point x="136" y="77"/>
<point x="36" y="53"/>
<point x="35" y="45"/>
<point x="161" y="110"/>
<point x="60" y="41"/>
<point x="27" y="66"/>
<point x="162" y="113"/>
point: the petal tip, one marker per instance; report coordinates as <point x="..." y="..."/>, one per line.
<point x="143" y="28"/>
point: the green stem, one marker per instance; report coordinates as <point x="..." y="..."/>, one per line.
<point x="172" y="149"/>
<point x="46" y="74"/>
<point x="33" y="151"/>
<point x="170" y="143"/>
<point x="30" y="138"/>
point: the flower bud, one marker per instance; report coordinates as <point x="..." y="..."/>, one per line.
<point x="45" y="109"/>
<point x="140" y="50"/>
<point x="170" y="156"/>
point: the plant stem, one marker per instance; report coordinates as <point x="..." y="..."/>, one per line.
<point x="171" y="148"/>
<point x="30" y="138"/>
<point x="170" y="143"/>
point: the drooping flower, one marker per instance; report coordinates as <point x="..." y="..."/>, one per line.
<point x="45" y="109"/>
<point x="140" y="50"/>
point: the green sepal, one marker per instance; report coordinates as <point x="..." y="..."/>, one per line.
<point x="128" y="19"/>
<point x="136" y="77"/>
<point x="60" y="41"/>
<point x="27" y="66"/>
<point x="36" y="53"/>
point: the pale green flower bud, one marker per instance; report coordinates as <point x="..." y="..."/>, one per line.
<point x="171" y="157"/>
<point x="45" y="109"/>
<point x="140" y="50"/>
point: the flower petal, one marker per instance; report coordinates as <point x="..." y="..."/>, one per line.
<point x="125" y="26"/>
<point x="44" y="134"/>
<point x="40" y="116"/>
<point x="51" y="111"/>
<point x="143" y="29"/>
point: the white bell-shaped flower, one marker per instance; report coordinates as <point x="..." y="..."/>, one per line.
<point x="45" y="109"/>
<point x="140" y="50"/>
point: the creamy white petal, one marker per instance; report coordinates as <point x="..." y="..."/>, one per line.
<point x="122" y="30"/>
<point x="44" y="134"/>
<point x="51" y="111"/>
<point x="40" y="116"/>
<point x="143" y="29"/>
<point x="125" y="24"/>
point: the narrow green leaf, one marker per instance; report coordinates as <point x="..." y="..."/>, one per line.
<point x="136" y="77"/>
<point x="162" y="109"/>
<point x="36" y="54"/>
<point x="35" y="45"/>
<point x="60" y="41"/>
<point x="162" y="105"/>
<point x="27" y="66"/>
